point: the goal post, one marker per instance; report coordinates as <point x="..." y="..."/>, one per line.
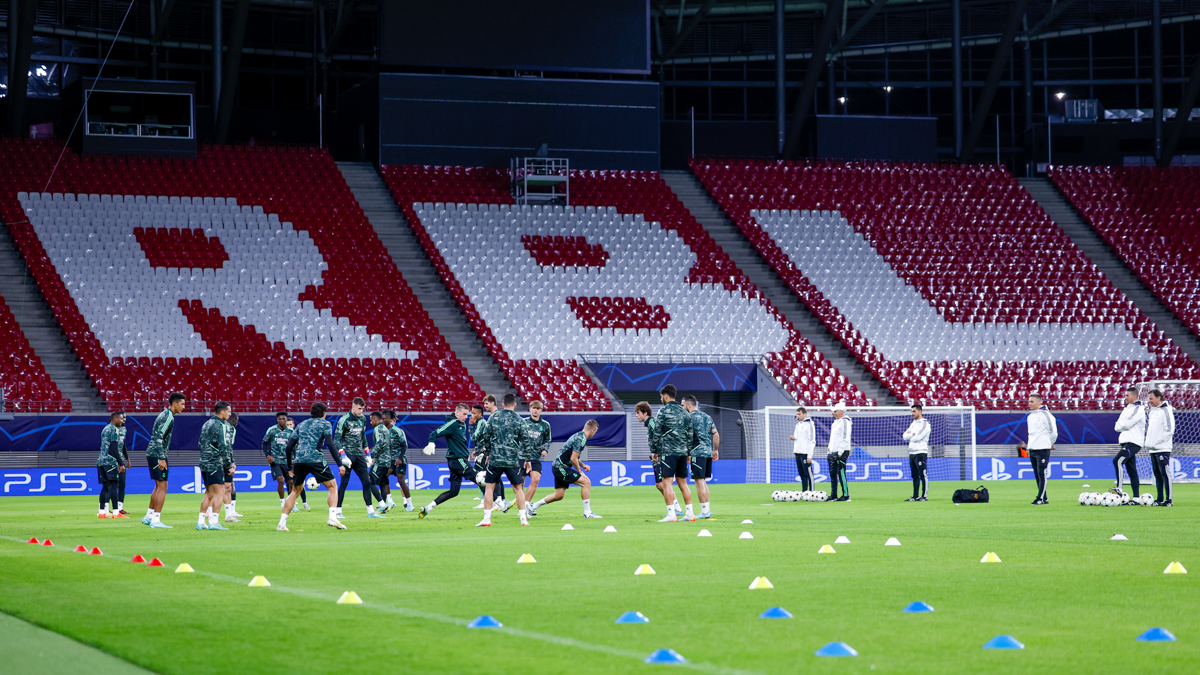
<point x="879" y="453"/>
<point x="1184" y="397"/>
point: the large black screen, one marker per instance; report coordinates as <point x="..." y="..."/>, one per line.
<point x="566" y="35"/>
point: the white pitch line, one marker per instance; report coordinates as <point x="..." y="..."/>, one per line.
<point x="442" y="618"/>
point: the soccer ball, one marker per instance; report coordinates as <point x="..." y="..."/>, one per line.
<point x="1145" y="500"/>
<point x="821" y="496"/>
<point x="777" y="496"/>
<point x="807" y="495"/>
<point x="311" y="483"/>
<point x="793" y="496"/>
<point x="1125" y="498"/>
<point x="1108" y="499"/>
<point x="1093" y="499"/>
<point x="1083" y="499"/>
<point x="480" y="477"/>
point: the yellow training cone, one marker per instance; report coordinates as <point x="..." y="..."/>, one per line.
<point x="990" y="557"/>
<point x="643" y="569"/>
<point x="349" y="598"/>
<point x="184" y="567"/>
<point x="1175" y="568"/>
<point x="760" y="583"/>
<point x="526" y="558"/>
<point x="259" y="581"/>
<point x="827" y="549"/>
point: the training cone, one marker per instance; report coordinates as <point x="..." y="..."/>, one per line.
<point x="842" y="540"/>
<point x="1003" y="642"/>
<point x="95" y="551"/>
<point x="526" y="558"/>
<point x="1156" y="635"/>
<point x="643" y="569"/>
<point x="917" y="607"/>
<point x="610" y="528"/>
<point x="1175" y="568"/>
<point x="704" y="533"/>
<point x="1118" y="537"/>
<point x="485" y="621"/>
<point x="259" y="582"/>
<point x="349" y="598"/>
<point x="827" y="549"/>
<point x="81" y="549"/>
<point x="184" y="568"/>
<point x="989" y="557"/>
<point x="665" y="656"/>
<point x="760" y="583"/>
<point x="745" y="535"/>
<point x="137" y="559"/>
<point x="836" y="649"/>
<point x="33" y="540"/>
<point x="892" y="541"/>
<point x="154" y="562"/>
<point x="747" y="522"/>
<point x="47" y="542"/>
<point x="775" y="613"/>
<point x="568" y="526"/>
<point x="632" y="617"/>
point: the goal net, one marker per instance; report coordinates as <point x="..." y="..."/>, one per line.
<point x="879" y="453"/>
<point x="1184" y="397"/>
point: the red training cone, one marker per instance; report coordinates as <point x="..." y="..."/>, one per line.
<point x="155" y="562"/>
<point x="137" y="559"/>
<point x="47" y="542"/>
<point x="81" y="549"/>
<point x="33" y="540"/>
<point x="95" y="551"/>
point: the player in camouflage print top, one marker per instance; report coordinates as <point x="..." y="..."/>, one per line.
<point x="706" y="445"/>
<point x="569" y="469"/>
<point x="645" y="415"/>
<point x="111" y="464"/>
<point x="156" y="458"/>
<point x="379" y="453"/>
<point x="304" y="449"/>
<point x="399" y="463"/>
<point x="673" y="436"/>
<point x="537" y="447"/>
<point x="230" y="497"/>
<point x="477" y="441"/>
<point x="213" y="446"/>
<point x="455" y="433"/>
<point x="351" y="435"/>
<point x="506" y="433"/>
<point x="274" y="446"/>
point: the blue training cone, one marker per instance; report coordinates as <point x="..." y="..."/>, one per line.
<point x="776" y="613"/>
<point x="836" y="649"/>
<point x="665" y="656"/>
<point x="632" y="617"/>
<point x="1003" y="642"/>
<point x="918" y="606"/>
<point x="485" y="621"/>
<point x="1156" y="635"/>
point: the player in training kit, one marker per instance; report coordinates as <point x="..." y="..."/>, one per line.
<point x="121" y="478"/>
<point x="111" y="464"/>
<point x="917" y="436"/>
<point x="214" y="442"/>
<point x="568" y="470"/>
<point x="537" y="447"/>
<point x="379" y="451"/>
<point x="457" y="456"/>
<point x="351" y="435"/>
<point x="839" y="452"/>
<point x="645" y="415"/>
<point x="274" y="446"/>
<point x="230" y="498"/>
<point x="804" y="444"/>
<point x="506" y="433"/>
<point x="399" y="462"/>
<point x="1043" y="433"/>
<point x="1160" y="435"/>
<point x="483" y="452"/>
<point x="1132" y="427"/>
<point x="291" y="425"/>
<point x="478" y="453"/>
<point x="706" y="448"/>
<point x="673" y="437"/>
<point x="313" y="434"/>
<point x="156" y="458"/>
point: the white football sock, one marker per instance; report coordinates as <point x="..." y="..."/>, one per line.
<point x="120" y="506"/>
<point x="233" y="505"/>
<point x="407" y="500"/>
<point x="689" y="509"/>
<point x="333" y="512"/>
<point x="370" y="509"/>
<point x="283" y="519"/>
<point x="212" y="519"/>
<point x="149" y="512"/>
<point x="539" y="504"/>
<point x="587" y="506"/>
<point x="430" y="507"/>
<point x="487" y="515"/>
<point x="155" y="517"/>
<point x="390" y="501"/>
<point x="200" y="520"/>
<point x="703" y="507"/>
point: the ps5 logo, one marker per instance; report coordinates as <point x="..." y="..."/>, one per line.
<point x="997" y="472"/>
<point x="71" y="481"/>
<point x="618" y="477"/>
<point x="416" y="478"/>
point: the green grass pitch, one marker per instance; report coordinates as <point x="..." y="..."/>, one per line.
<point x="1076" y="599"/>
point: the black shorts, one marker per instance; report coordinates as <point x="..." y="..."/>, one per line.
<point x="701" y="468"/>
<point x="279" y="470"/>
<point x="535" y="465"/>
<point x="156" y="474"/>
<point x="674" y="466"/>
<point x="565" y="477"/>
<point x="106" y="474"/>
<point x="459" y="466"/>
<point x="657" y="470"/>
<point x="213" y="477"/>
<point x="514" y="473"/>
<point x="399" y="468"/>
<point x="321" y="472"/>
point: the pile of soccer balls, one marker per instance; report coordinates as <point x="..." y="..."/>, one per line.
<point x="1113" y="498"/>
<point x="794" y="496"/>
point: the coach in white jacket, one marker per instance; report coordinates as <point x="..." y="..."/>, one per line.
<point x="1043" y="433"/>
<point x="804" y="438"/>
<point x="1160" y="435"/>
<point x="839" y="452"/>
<point x="917" y="436"/>
<point x="1132" y="427"/>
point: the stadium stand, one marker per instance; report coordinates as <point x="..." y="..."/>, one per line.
<point x="948" y="282"/>
<point x="624" y="270"/>
<point x="27" y="386"/>
<point x="246" y="273"/>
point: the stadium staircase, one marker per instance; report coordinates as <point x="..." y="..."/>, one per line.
<point x="368" y="188"/>
<point x="45" y="337"/>
<point x="692" y="194"/>
<point x="1085" y="237"/>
